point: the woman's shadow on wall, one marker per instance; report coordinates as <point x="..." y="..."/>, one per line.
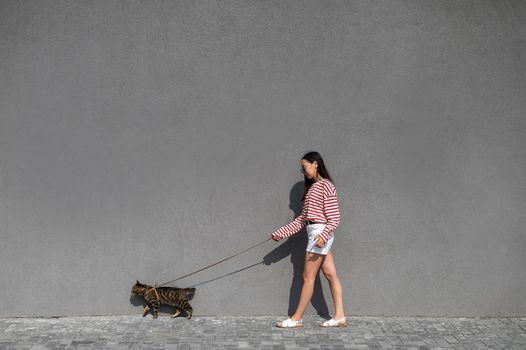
<point x="295" y="247"/>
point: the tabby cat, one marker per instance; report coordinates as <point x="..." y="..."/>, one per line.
<point x="155" y="296"/>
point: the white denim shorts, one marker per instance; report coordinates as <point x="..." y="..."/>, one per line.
<point x="313" y="231"/>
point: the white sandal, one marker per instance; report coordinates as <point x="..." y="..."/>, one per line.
<point x="335" y="323"/>
<point x="288" y="323"/>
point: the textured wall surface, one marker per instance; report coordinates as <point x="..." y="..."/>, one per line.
<point x="146" y="139"/>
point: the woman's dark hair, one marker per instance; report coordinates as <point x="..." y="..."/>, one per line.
<point x="322" y="170"/>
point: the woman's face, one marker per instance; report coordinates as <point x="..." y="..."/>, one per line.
<point x="309" y="169"/>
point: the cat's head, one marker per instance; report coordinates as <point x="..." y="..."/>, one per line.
<point x="139" y="288"/>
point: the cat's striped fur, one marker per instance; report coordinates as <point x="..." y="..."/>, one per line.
<point x="155" y="296"/>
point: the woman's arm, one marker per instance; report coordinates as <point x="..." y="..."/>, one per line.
<point x="290" y="229"/>
<point x="331" y="211"/>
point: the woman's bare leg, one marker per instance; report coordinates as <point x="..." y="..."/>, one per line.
<point x="328" y="268"/>
<point x="312" y="266"/>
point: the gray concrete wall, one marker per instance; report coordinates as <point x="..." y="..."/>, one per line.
<point x="145" y="139"/>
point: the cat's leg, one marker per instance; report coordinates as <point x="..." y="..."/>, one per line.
<point x="188" y="311"/>
<point x="156" y="306"/>
<point x="146" y="309"/>
<point x="186" y="307"/>
<point x="177" y="312"/>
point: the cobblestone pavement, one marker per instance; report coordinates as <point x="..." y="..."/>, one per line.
<point x="375" y="333"/>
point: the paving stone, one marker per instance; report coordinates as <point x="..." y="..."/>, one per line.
<point x="365" y="333"/>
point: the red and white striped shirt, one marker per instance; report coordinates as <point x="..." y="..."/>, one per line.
<point x="321" y="206"/>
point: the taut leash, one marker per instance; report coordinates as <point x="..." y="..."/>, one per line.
<point x="214" y="264"/>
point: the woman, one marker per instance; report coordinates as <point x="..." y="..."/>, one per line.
<point x="321" y="215"/>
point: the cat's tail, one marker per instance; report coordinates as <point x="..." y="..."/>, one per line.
<point x="189" y="291"/>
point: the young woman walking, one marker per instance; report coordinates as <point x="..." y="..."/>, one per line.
<point x="321" y="214"/>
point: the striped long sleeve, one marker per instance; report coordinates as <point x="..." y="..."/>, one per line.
<point x="292" y="228"/>
<point x="331" y="211"/>
<point x="321" y="205"/>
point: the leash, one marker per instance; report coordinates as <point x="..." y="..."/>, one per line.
<point x="214" y="264"/>
<point x="153" y="289"/>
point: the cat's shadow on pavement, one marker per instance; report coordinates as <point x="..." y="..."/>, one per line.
<point x="295" y="247"/>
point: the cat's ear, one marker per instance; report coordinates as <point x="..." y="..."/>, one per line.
<point x="137" y="282"/>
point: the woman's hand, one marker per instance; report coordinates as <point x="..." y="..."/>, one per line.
<point x="320" y="242"/>
<point x="275" y="238"/>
